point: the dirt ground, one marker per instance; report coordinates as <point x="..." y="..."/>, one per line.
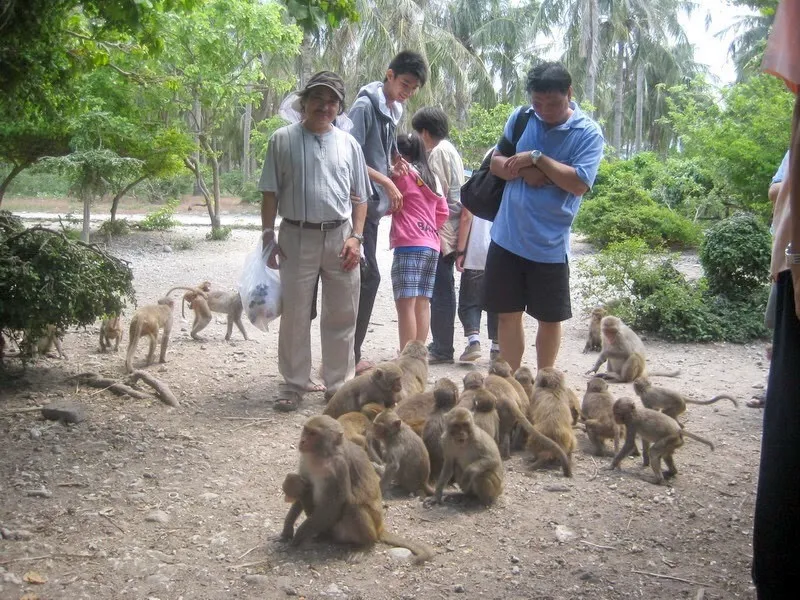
<point x="144" y="501"/>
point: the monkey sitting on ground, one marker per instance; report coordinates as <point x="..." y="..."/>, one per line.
<point x="228" y="303"/>
<point x="110" y="329"/>
<point x="625" y="353"/>
<point x="551" y="416"/>
<point x="594" y="339"/>
<point x="52" y="336"/>
<point x="404" y="454"/>
<point x="381" y="385"/>
<point x="358" y="425"/>
<point x="413" y="362"/>
<point x="471" y="458"/>
<point x="415" y="409"/>
<point x="525" y="378"/>
<point x="502" y="369"/>
<point x="445" y="396"/>
<point x="472" y="381"/>
<point x="147" y="320"/>
<point x="484" y="413"/>
<point x="339" y="492"/>
<point x="668" y="401"/>
<point x="598" y="416"/>
<point x="656" y="428"/>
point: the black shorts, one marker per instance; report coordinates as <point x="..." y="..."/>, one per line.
<point x="515" y="284"/>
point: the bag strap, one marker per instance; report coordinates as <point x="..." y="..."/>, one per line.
<point x="520" y="123"/>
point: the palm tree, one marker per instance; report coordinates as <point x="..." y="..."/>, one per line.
<point x="747" y="48"/>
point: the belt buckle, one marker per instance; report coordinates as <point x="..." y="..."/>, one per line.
<point x="328" y="225"/>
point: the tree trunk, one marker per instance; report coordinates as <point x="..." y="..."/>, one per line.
<point x="199" y="181"/>
<point x="121" y="193"/>
<point x="87" y="202"/>
<point x="16" y="170"/>
<point x="305" y="60"/>
<point x="593" y="62"/>
<point x="247" y="126"/>
<point x="639" y="106"/>
<point x="617" y="140"/>
<point x="213" y="207"/>
<point x="197" y="117"/>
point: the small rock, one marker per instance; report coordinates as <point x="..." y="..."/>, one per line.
<point x="157" y="580"/>
<point x="758" y="386"/>
<point x="209" y="496"/>
<point x="43" y="492"/>
<point x="514" y="559"/>
<point x="66" y="413"/>
<point x="556" y="488"/>
<point x="333" y="590"/>
<point x="290" y="591"/>
<point x="563" y="534"/>
<point x="12" y="578"/>
<point x="35" y="433"/>
<point x="166" y="248"/>
<point x="157" y="516"/>
<point x="400" y="554"/>
<point x="515" y="570"/>
<point x="257" y="579"/>
<point x="459" y="589"/>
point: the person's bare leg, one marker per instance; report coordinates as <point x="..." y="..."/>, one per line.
<point x="548" y="342"/>
<point x="422" y="312"/>
<point x="511" y="337"/>
<point x="406" y="320"/>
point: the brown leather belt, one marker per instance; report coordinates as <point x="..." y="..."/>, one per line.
<point x="324" y="226"/>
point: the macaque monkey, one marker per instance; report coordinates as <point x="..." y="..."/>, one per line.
<point x="413" y="362"/>
<point x="201" y="289"/>
<point x="594" y="339"/>
<point x="445" y="396"/>
<point x="656" y="428"/>
<point x="381" y="385"/>
<point x="625" y="353"/>
<point x="404" y="454"/>
<point x="110" y="329"/>
<point x="484" y="413"/>
<point x="551" y="416"/>
<point x="472" y="381"/>
<point x="502" y="369"/>
<point x="525" y="378"/>
<point x="415" y="409"/>
<point x="668" y="401"/>
<point x="598" y="416"/>
<point x="471" y="458"/>
<point x="44" y="343"/>
<point x="220" y="301"/>
<point x="339" y="491"/>
<point x="147" y="320"/>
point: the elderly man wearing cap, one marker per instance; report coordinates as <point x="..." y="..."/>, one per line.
<point x="315" y="177"/>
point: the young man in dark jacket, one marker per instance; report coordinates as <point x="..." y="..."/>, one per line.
<point x="375" y="114"/>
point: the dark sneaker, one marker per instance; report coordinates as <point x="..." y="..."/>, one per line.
<point x="494" y="353"/>
<point x="438" y="359"/>
<point x="471" y="353"/>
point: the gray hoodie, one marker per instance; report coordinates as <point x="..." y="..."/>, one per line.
<point x="375" y="127"/>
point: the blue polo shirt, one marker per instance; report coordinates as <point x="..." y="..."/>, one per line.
<point x="780" y="175"/>
<point x="535" y="222"/>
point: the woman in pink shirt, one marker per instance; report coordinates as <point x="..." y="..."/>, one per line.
<point x="415" y="239"/>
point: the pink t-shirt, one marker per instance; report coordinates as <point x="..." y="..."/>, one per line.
<point x="422" y="215"/>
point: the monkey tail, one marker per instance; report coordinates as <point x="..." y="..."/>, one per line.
<point x="543" y="440"/>
<point x="713" y="400"/>
<point x="134" y="334"/>
<point x="702" y="440"/>
<point x="188" y="289"/>
<point x="664" y="373"/>
<point x="422" y="552"/>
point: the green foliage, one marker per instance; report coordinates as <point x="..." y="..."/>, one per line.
<point x="620" y="208"/>
<point x="89" y="171"/>
<point x="183" y="243"/>
<point x="160" y="219"/>
<point x="219" y="234"/>
<point x="250" y="193"/>
<point x="484" y="128"/>
<point x="259" y="136"/>
<point x="313" y="15"/>
<point x="116" y="227"/>
<point x="649" y="293"/>
<point x="735" y="256"/>
<point x="231" y="183"/>
<point x="162" y="189"/>
<point x="37" y="183"/>
<point x="47" y="279"/>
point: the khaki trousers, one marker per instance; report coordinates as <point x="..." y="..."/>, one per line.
<point x="311" y="254"/>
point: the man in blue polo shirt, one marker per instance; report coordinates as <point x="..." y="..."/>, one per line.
<point x="527" y="267"/>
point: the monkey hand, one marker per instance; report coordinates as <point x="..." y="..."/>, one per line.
<point x="350" y="254"/>
<point x="591" y="371"/>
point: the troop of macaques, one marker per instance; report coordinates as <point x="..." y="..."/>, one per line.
<point x="594" y="339"/>
<point x="147" y="321"/>
<point x="405" y="457"/>
<point x="484" y="409"/>
<point x="552" y="419"/>
<point x="598" y="416"/>
<point x="661" y="436"/>
<point x="668" y="401"/>
<point x="413" y="362"/>
<point x="339" y="491"/>
<point x="110" y="329"/>
<point x="625" y="353"/>
<point x="380" y="385"/>
<point x="445" y="396"/>
<point x="203" y="301"/>
<point x="416" y="408"/>
<point x="471" y="458"/>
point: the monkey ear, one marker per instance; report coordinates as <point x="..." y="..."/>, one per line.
<point x="378" y="373"/>
<point x="397" y="424"/>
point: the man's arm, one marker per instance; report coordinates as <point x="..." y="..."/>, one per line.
<point x="464" y="227"/>
<point x="269" y="210"/>
<point x="773" y="192"/>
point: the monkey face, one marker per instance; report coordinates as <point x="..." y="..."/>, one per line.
<point x="459" y="433"/>
<point x="321" y="434"/>
<point x="596" y="384"/>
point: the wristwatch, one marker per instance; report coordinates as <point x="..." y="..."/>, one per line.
<point x="536" y="155"/>
<point x="792" y="258"/>
<point x="358" y="236"/>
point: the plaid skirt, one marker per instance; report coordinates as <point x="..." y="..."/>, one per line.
<point x="413" y="272"/>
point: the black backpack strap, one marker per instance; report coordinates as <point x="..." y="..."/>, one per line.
<point x="509" y="148"/>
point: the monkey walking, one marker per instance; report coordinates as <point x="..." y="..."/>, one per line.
<point x="656" y="428"/>
<point x="668" y="401"/>
<point x="339" y="491"/>
<point x="204" y="302"/>
<point x="148" y="320"/>
<point x="110" y="329"/>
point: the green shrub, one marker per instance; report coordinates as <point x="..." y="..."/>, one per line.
<point x="37" y="182"/>
<point x="184" y="243"/>
<point x="250" y="193"/>
<point x="219" y="234"/>
<point x="162" y="189"/>
<point x="117" y="227"/>
<point x="160" y="219"/>
<point x="735" y="256"/>
<point x="231" y="183"/>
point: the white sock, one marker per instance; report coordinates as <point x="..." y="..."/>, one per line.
<point x="473" y="338"/>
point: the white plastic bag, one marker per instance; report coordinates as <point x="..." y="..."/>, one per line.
<point x="260" y="289"/>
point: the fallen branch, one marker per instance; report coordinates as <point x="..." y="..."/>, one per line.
<point x="597" y="545"/>
<point x="118" y="388"/>
<point x="45" y="557"/>
<point x="17" y="411"/>
<point x="672" y="577"/>
<point x="161" y="388"/>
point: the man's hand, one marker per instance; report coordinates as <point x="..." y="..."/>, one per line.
<point x="401" y="166"/>
<point x="460" y="262"/>
<point x="395" y="197"/>
<point x="534" y="177"/>
<point x="350" y="254"/>
<point x="271" y="251"/>
<point x="518" y="162"/>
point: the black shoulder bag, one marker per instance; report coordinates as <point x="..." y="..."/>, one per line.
<point x="482" y="193"/>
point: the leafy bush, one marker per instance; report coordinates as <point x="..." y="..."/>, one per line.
<point x="116" y="227"/>
<point x="250" y="193"/>
<point x="160" y="219"/>
<point x="231" y="183"/>
<point x="735" y="256"/>
<point x="47" y="279"/>
<point x="159" y="190"/>
<point x="219" y="234"/>
<point x="37" y="182"/>
<point x="184" y="243"/>
<point x="649" y="293"/>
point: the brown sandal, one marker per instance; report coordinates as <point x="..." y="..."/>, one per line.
<point x="288" y="402"/>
